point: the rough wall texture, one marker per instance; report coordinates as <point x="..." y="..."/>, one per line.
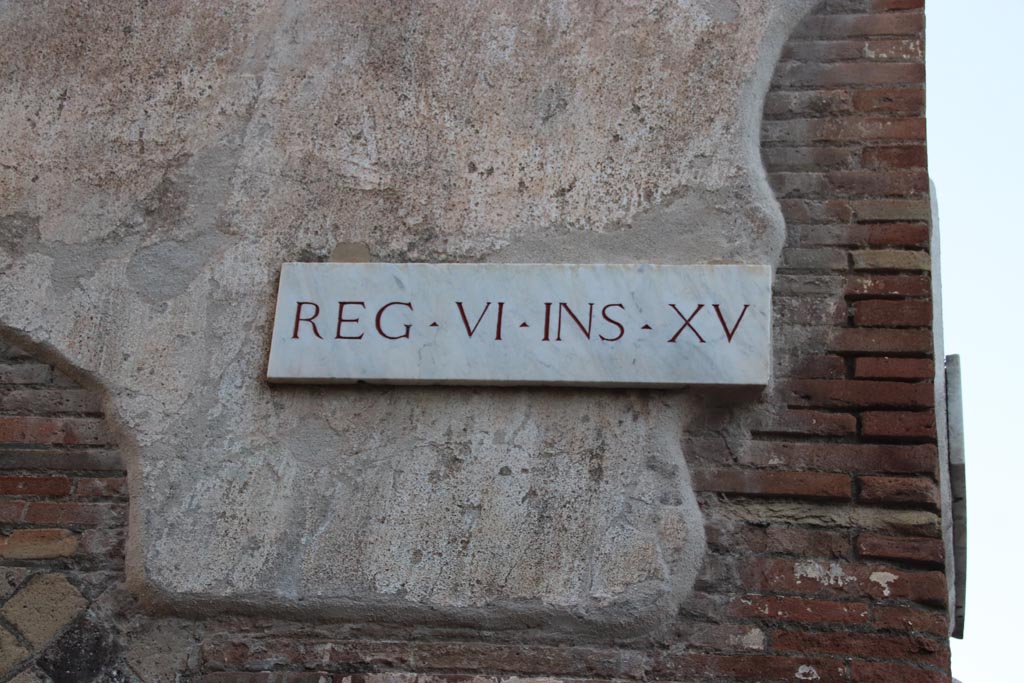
<point x="819" y="501"/>
<point x="163" y="159"/>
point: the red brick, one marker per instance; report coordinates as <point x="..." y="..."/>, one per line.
<point x="706" y="450"/>
<point x="902" y="156"/>
<point x="819" y="285"/>
<point x="51" y="430"/>
<point x="880" y="672"/>
<point x="589" y="662"/>
<point x="904" y="548"/>
<point x="103" y="543"/>
<point x="898" y="425"/>
<point x="873" y="210"/>
<point x="809" y="310"/>
<point x="24" y="373"/>
<point x="45" y="402"/>
<point x="807" y="422"/>
<point x="889" y="646"/>
<point x="884" y="313"/>
<point x="856" y="6"/>
<point x="60" y="379"/>
<point x="830" y="235"/>
<point x="717" y="575"/>
<point x="774" y="483"/>
<point x="921" y="459"/>
<point x="86" y="432"/>
<point x="823" y="50"/>
<point x="100" y="487"/>
<point x="732" y="638"/>
<point x="890" y="50"/>
<point x="847" y="393"/>
<point x="780" y="540"/>
<point x="34" y="486"/>
<point x="878" y="183"/>
<point x="38" y="544"/>
<point x="846" y="129"/>
<point x="895" y="50"/>
<point x="894" y="618"/>
<point x="881" y="341"/>
<point x="847" y="579"/>
<point x="891" y="259"/>
<point x="815" y="259"/>
<point x="894" y="368"/>
<point x="814" y="211"/>
<point x="34" y="458"/>
<point x="31" y="430"/>
<point x="705" y="667"/>
<point x="895" y="102"/>
<point x="72" y="514"/>
<point x="9" y="351"/>
<point x="854" y="25"/>
<point x="803" y="610"/>
<point x="861" y="235"/>
<point x="790" y="74"/>
<point x="285" y="677"/>
<point x="464" y="657"/>
<point x="888" y="285"/>
<point x="811" y="104"/>
<point x="891" y="5"/>
<point x="898" y="235"/>
<point x="788" y="158"/>
<point x="787" y="184"/>
<point x="11" y="511"/>
<point x="898" y="490"/>
<point x="850" y="183"/>
<point x="819" y="367"/>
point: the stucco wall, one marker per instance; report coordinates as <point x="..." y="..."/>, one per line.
<point x="166" y="158"/>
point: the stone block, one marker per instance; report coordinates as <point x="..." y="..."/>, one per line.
<point x="82" y="653"/>
<point x="30" y="676"/>
<point x="38" y="544"/>
<point x="43" y="607"/>
<point x="522" y="324"/>
<point x="10" y="579"/>
<point x="891" y="259"/>
<point x="11" y="651"/>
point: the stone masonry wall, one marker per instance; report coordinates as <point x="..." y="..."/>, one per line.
<point x="821" y="502"/>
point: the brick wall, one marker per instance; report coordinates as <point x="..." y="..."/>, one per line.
<point x="825" y="553"/>
<point x="62" y="514"/>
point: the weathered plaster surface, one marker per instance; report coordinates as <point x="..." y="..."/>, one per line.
<point x="160" y="160"/>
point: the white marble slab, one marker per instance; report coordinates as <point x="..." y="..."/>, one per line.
<point x="609" y="325"/>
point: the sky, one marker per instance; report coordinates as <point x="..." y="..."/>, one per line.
<point x="976" y="147"/>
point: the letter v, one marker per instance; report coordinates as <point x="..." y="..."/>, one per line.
<point x="465" y="321"/>
<point x="729" y="334"/>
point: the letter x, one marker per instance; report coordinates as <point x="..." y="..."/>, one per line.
<point x="686" y="324"/>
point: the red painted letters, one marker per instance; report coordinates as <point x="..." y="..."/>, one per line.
<point x="729" y="334"/>
<point x="687" y="323"/>
<point x="300" y="319"/>
<point x="342" y="319"/>
<point x="470" y="331"/>
<point x="380" y="314"/>
<point x="604" y="314"/>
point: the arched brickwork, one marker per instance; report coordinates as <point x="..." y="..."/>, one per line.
<point x="62" y="522"/>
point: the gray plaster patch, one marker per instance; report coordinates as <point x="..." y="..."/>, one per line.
<point x="164" y="270"/>
<point x="176" y="153"/>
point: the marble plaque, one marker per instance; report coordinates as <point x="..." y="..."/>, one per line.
<point x="608" y="325"/>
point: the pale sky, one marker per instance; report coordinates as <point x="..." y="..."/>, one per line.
<point x="975" y="130"/>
